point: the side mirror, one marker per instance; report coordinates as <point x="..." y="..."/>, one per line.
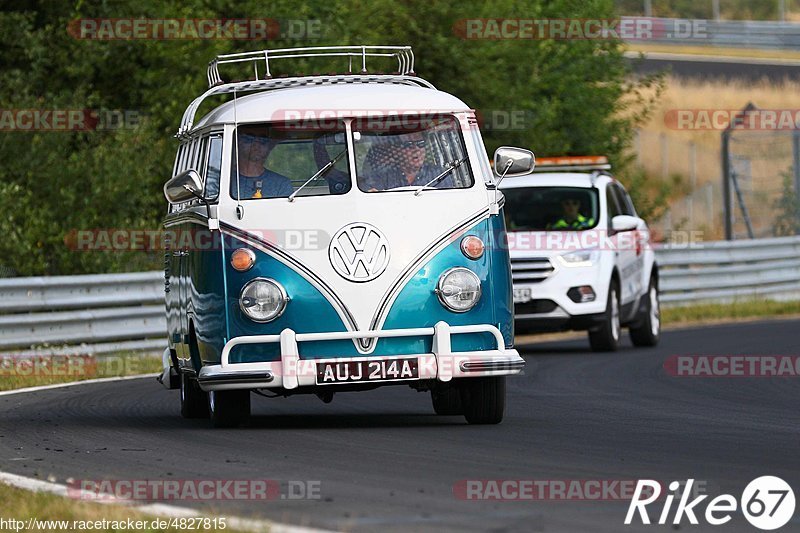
<point x="624" y="223"/>
<point x="183" y="187"/>
<point x="511" y="162"/>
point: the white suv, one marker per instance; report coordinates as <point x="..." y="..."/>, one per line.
<point x="580" y="256"/>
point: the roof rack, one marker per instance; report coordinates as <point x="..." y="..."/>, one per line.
<point x="565" y="163"/>
<point x="404" y="76"/>
<point x="403" y="54"/>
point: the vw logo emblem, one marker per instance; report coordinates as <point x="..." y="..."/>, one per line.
<point x="359" y="252"/>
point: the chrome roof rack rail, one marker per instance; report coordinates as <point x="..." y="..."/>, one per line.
<point x="403" y="54"/>
<point x="404" y="76"/>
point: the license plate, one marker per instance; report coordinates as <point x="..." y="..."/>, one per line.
<point x="367" y="371"/>
<point x="522" y="295"/>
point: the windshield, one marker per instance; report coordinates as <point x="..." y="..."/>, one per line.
<point x="275" y="160"/>
<point x="550" y="208"/>
<point x="410" y="153"/>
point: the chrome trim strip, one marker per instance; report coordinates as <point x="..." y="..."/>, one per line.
<point x="488" y="366"/>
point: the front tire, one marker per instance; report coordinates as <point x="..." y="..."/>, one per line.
<point x="648" y="330"/>
<point x="447" y="401"/>
<point x="484" y="399"/>
<point x="606" y="337"/>
<point x="229" y="408"/>
<point x="194" y="402"/>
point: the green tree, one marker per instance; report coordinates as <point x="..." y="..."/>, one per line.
<point x="573" y="94"/>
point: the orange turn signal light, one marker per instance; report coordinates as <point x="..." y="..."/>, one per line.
<point x="472" y="247"/>
<point x="243" y="259"/>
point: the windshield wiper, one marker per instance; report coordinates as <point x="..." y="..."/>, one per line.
<point x="319" y="173"/>
<point x="451" y="166"/>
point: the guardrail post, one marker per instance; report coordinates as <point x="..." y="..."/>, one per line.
<point x="796" y="170"/>
<point x="726" y="184"/>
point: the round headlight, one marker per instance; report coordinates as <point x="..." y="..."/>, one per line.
<point x="459" y="289"/>
<point x="263" y="300"/>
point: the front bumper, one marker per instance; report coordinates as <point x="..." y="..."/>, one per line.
<point x="291" y="372"/>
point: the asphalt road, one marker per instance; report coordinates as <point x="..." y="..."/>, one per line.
<point x="385" y="461"/>
<point x="687" y="66"/>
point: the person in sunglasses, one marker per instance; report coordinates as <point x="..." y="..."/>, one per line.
<point x="571" y="217"/>
<point x="255" y="181"/>
<point x="399" y="161"/>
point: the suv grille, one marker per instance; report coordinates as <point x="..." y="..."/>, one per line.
<point x="530" y="269"/>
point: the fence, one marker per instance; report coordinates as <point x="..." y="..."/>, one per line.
<point x="115" y="312"/>
<point x="774" y="35"/>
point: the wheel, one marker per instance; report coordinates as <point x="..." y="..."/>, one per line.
<point x="194" y="402"/>
<point x="605" y="338"/>
<point x="484" y="399"/>
<point x="447" y="401"/>
<point x="648" y="328"/>
<point x="229" y="408"/>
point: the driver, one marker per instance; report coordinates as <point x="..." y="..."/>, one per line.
<point x="255" y="181"/>
<point x="571" y="217"/>
<point x="399" y="161"/>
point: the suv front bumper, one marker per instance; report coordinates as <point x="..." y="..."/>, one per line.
<point x="291" y="372"/>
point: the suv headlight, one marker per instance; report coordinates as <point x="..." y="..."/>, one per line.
<point x="580" y="258"/>
<point x="459" y="289"/>
<point x="263" y="299"/>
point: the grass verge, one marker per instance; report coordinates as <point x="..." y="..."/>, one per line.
<point x="713" y="51"/>
<point x="57" y="513"/>
<point x="733" y="311"/>
<point x="16" y="373"/>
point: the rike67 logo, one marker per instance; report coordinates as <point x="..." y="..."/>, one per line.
<point x="767" y="503"/>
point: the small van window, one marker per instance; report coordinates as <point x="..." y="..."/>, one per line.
<point x="275" y="160"/>
<point x="213" y="168"/>
<point x="410" y="152"/>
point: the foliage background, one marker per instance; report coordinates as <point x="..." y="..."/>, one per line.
<point x="577" y="97"/>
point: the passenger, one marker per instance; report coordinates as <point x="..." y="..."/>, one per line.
<point x="399" y="161"/>
<point x="255" y="181"/>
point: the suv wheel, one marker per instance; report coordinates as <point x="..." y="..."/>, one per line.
<point x="484" y="399"/>
<point x="605" y="338"/>
<point x="648" y="329"/>
<point x="229" y="408"/>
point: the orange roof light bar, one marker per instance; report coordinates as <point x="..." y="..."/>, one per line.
<point x="571" y="160"/>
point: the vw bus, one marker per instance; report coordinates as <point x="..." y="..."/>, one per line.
<point x="336" y="233"/>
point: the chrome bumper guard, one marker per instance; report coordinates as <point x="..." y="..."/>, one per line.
<point x="291" y="372"/>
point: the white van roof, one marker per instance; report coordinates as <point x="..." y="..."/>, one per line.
<point x="327" y="101"/>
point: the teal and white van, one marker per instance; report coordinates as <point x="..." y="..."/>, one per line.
<point x="333" y="233"/>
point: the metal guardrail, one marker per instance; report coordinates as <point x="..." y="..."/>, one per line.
<point x="115" y="312"/>
<point x="730" y="270"/>
<point x="774" y="35"/>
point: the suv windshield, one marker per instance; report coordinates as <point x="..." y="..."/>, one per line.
<point x="550" y="208"/>
<point x="275" y="160"/>
<point x="410" y="152"/>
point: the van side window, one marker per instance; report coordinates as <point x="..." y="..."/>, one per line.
<point x="213" y="168"/>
